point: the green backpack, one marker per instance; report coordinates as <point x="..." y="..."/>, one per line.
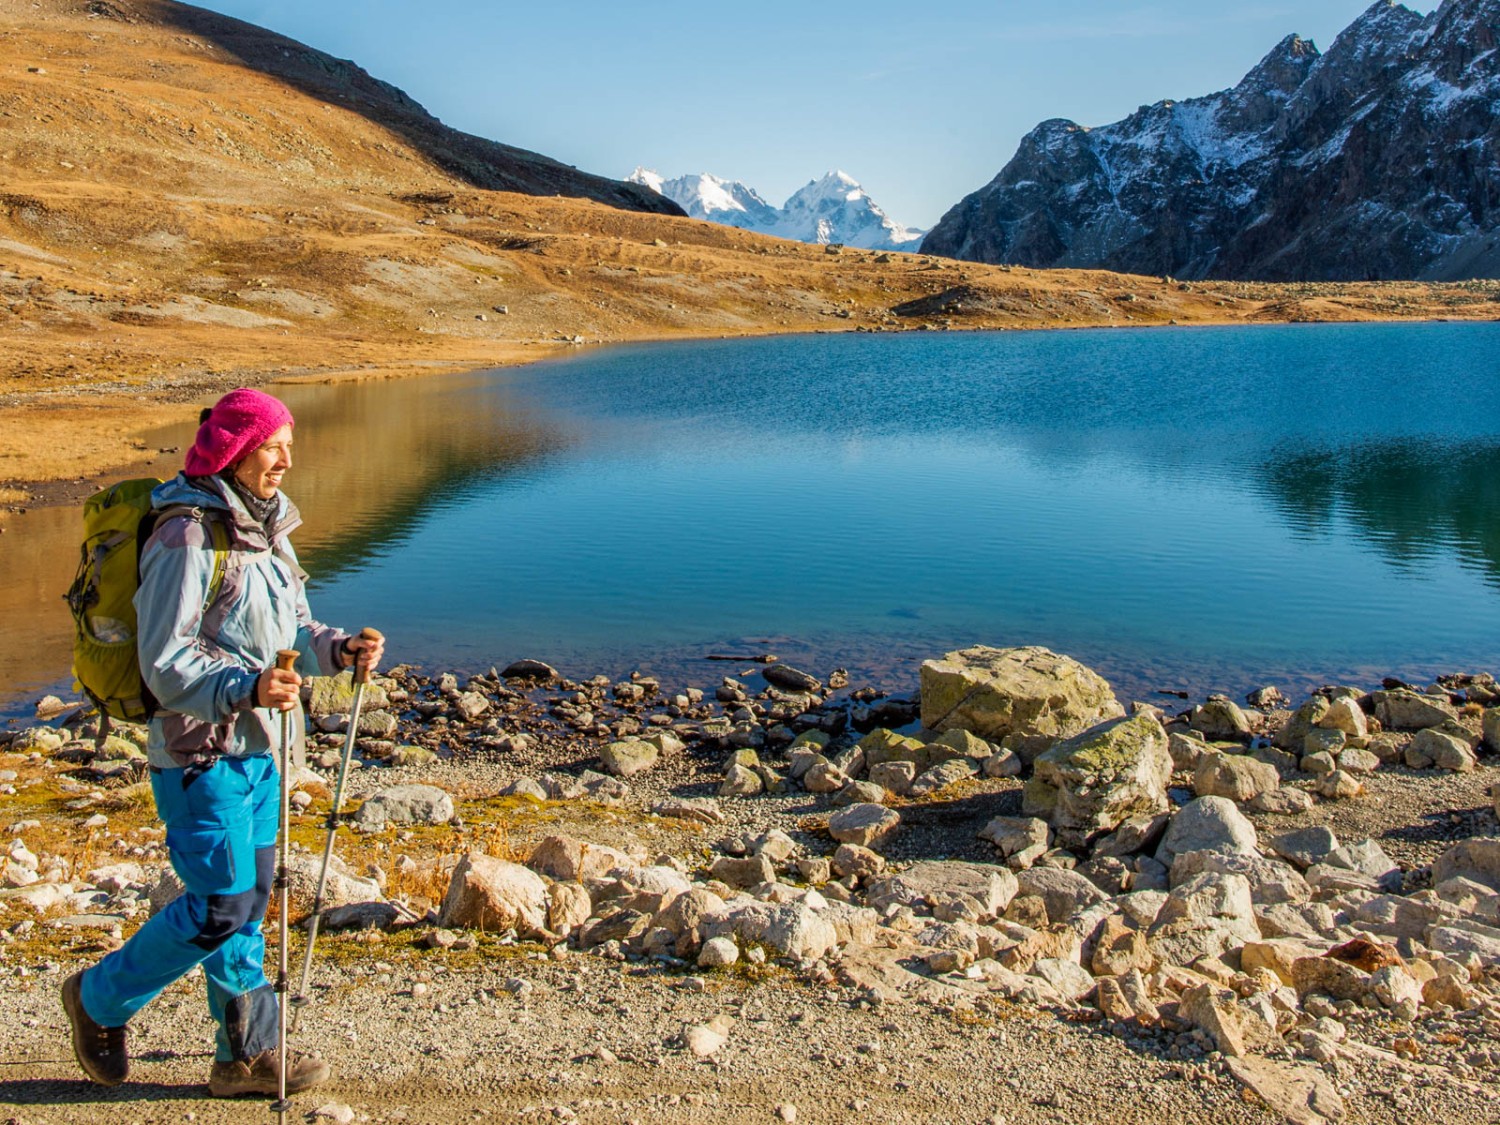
<point x="116" y="523"/>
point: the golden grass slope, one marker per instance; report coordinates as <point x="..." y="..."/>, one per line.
<point x="189" y="203"/>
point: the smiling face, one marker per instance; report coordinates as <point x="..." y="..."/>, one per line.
<point x="261" y="469"/>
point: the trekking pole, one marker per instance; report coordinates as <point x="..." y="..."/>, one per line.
<point x="285" y="659"/>
<point x="361" y="678"/>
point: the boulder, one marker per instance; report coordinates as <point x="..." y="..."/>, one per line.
<point x="569" y="860"/>
<point x="404" y="804"/>
<point x="1285" y="801"/>
<point x="486" y="893"/>
<point x="1220" y="718"/>
<point x="1404" y="709"/>
<point x="1271" y="882"/>
<point x="1305" y="846"/>
<point x="747" y="872"/>
<point x="851" y="859"/>
<point x="341" y="888"/>
<point x="1300" y="1095"/>
<point x="1491" y="727"/>
<point x="334" y="695"/>
<point x="1236" y="1030"/>
<point x="629" y="757"/>
<point x="1293" y="735"/>
<point x="1204" y="917"/>
<point x="1015" y="835"/>
<point x="1064" y="893"/>
<point x="933" y="883"/>
<point x="568" y="907"/>
<point x="867" y="825"/>
<point x="1441" y="749"/>
<point x="1477" y="860"/>
<point x="1108" y="774"/>
<point x="1208" y="824"/>
<point x="894" y="776"/>
<point x="941" y="776"/>
<point x="792" y="929"/>
<point x="1235" y="776"/>
<point x="995" y="692"/>
<point x="1345" y="714"/>
<point x="1067" y="978"/>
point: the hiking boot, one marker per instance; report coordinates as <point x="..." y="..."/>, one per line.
<point x="100" y="1050"/>
<point x="259" y="1075"/>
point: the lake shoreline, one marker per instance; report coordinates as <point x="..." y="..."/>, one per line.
<point x="125" y="409"/>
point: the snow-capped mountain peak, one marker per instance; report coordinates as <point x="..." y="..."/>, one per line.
<point x="834" y="208"/>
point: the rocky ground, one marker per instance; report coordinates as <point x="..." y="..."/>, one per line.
<point x="614" y="901"/>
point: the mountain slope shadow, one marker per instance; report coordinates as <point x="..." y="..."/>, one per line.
<point x="485" y="164"/>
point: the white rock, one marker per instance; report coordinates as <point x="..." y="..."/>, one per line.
<point x="718" y="953"/>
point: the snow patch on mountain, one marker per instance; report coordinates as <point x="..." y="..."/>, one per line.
<point x="834" y="209"/>
<point x="1378" y="159"/>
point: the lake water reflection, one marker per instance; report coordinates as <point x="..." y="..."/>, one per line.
<point x="1197" y="509"/>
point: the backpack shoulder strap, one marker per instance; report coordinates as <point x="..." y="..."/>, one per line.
<point x="218" y="533"/>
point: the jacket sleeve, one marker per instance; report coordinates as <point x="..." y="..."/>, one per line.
<point x="183" y="672"/>
<point x="318" y="643"/>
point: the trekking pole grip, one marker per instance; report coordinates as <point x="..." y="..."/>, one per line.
<point x="286" y="658"/>
<point x="361" y="673"/>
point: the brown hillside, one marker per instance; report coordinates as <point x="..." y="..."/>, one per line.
<point x="188" y="202"/>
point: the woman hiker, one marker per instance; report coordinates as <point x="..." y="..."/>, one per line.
<point x="212" y="670"/>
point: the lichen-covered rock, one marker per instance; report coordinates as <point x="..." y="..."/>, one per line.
<point x="995" y="692"/>
<point x="1236" y="776"/>
<point x="486" y="893"/>
<point x="1491" y="727"/>
<point x="1105" y="776"/>
<point x="404" y="804"/>
<point x="941" y="776"/>
<point x="629" y="757"/>
<point x="1220" y="718"/>
<point x="334" y="695"/>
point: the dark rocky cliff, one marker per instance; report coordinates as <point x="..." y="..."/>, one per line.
<point x="1379" y="159"/>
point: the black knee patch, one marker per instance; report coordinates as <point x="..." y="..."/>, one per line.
<point x="230" y="913"/>
<point x="225" y="915"/>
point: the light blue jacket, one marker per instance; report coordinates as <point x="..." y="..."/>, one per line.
<point x="202" y="666"/>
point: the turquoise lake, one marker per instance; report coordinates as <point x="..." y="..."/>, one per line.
<point x="1187" y="509"/>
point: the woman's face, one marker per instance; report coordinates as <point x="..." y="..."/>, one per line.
<point x="261" y="469"/>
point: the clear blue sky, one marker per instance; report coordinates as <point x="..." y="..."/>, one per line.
<point x="922" y="103"/>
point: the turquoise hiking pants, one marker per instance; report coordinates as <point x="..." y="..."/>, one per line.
<point x="221" y="836"/>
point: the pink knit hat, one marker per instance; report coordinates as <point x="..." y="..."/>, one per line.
<point x="238" y="422"/>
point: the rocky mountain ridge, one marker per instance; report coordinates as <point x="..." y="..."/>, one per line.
<point x="832" y="209"/>
<point x="1379" y="159"/>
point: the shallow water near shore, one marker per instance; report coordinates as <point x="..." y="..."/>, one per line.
<point x="1186" y="509"/>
